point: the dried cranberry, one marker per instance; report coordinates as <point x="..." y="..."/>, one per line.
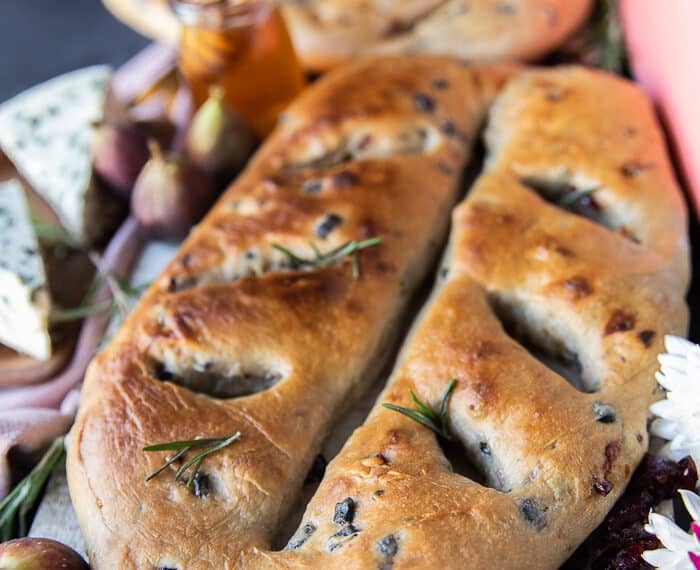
<point x="618" y="543"/>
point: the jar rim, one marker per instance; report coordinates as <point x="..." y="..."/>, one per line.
<point x="220" y="13"/>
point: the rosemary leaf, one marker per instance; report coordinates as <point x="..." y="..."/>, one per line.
<point x="67" y="315"/>
<point x="415" y="415"/>
<point x="355" y="266"/>
<point x="445" y="401"/>
<point x="614" y="56"/>
<point x="200" y="456"/>
<point x="194" y="472"/>
<point x="351" y="248"/>
<point x="54" y="233"/>
<point x="184" y="444"/>
<point x="317" y="251"/>
<point x="336" y="251"/>
<point x="134" y="291"/>
<point x="167" y="463"/>
<point x="17" y="505"/>
<point x="422" y="407"/>
<point x="424" y="415"/>
<point x="208" y="446"/>
<point x="296" y="260"/>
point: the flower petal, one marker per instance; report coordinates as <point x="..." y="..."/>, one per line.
<point x="670" y="535"/>
<point x="664" y="429"/>
<point x="672" y="363"/>
<point x="692" y="503"/>
<point x="677" y="345"/>
<point x="666" y="559"/>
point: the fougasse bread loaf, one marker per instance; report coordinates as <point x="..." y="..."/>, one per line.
<point x="571" y="244"/>
<point x="327" y="33"/>
<point x="231" y="338"/>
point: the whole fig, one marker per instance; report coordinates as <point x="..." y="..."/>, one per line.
<point x="170" y="195"/>
<point x="217" y="140"/>
<point x="39" y="554"/>
<point x="119" y="153"/>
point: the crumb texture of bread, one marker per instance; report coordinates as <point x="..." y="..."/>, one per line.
<point x="570" y="246"/>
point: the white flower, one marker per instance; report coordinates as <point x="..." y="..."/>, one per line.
<point x="678" y="418"/>
<point x="681" y="550"/>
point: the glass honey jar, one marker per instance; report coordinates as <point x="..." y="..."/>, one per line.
<point x="243" y="47"/>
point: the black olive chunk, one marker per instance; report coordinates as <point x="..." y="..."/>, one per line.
<point x="300" y="537"/>
<point x="424" y="102"/>
<point x="532" y="513"/>
<point x="200" y="485"/>
<point x="327" y="225"/>
<point x="388" y="545"/>
<point x="312" y="186"/>
<point x="344" y="511"/>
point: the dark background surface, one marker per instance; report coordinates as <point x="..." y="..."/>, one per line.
<point x="43" y="38"/>
<point x="40" y="39"/>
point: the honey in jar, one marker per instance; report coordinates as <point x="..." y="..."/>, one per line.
<point x="243" y="47"/>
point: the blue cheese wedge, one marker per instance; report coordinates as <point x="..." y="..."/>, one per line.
<point x="25" y="303"/>
<point x="48" y="133"/>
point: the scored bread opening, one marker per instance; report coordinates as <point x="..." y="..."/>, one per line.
<point x="205" y="374"/>
<point x="543" y="342"/>
<point x="580" y="195"/>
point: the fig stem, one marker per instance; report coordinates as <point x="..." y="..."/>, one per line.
<point x="216" y="92"/>
<point x="154" y="149"/>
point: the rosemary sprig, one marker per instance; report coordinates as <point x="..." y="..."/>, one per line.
<point x="59" y="315"/>
<point x="118" y="295"/>
<point x="87" y="307"/>
<point x="14" y="509"/>
<point x="424" y="415"/>
<point x="119" y="289"/>
<point x="209" y="446"/>
<point x="324" y="259"/>
<point x="613" y="56"/>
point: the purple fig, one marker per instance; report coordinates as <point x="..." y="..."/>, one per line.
<point x="217" y="140"/>
<point x="39" y="554"/>
<point x="119" y="154"/>
<point x="170" y="195"/>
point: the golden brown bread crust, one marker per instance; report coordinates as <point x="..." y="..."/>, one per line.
<point x="554" y="459"/>
<point x="364" y="145"/>
<point x="387" y="140"/>
<point x="327" y="33"/>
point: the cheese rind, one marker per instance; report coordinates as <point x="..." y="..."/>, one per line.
<point x="48" y="132"/>
<point x="25" y="302"/>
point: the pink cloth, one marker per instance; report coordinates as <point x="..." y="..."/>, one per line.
<point x="29" y="429"/>
<point x="664" y="46"/>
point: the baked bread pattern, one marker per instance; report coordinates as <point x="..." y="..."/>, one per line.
<point x="232" y="337"/>
<point x="327" y="33"/>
